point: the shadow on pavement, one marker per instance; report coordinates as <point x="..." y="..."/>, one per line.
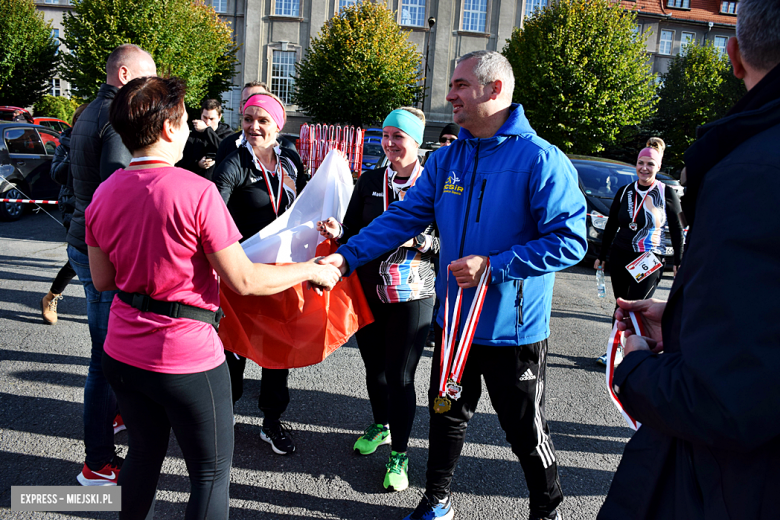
<point x="37" y="357"/>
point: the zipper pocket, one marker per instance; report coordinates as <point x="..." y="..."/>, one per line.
<point x="479" y="198"/>
<point x="519" y="301"/>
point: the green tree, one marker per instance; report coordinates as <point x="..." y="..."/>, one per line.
<point x="582" y="73"/>
<point x="28" y="53"/>
<point x="699" y="87"/>
<point x="56" y="106"/>
<point x="186" y="38"/>
<point x="359" y="68"/>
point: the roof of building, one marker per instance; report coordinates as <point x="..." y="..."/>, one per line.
<point x="699" y="11"/>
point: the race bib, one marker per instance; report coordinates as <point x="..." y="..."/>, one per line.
<point x="643" y="266"/>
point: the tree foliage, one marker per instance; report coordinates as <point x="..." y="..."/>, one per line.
<point x="699" y="87"/>
<point x="359" y="68"/>
<point x="56" y="106"/>
<point x="186" y="38"/>
<point x="581" y="73"/>
<point x="28" y="53"/>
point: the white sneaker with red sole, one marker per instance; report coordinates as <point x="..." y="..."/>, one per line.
<point x="105" y="476"/>
<point x="119" y="424"/>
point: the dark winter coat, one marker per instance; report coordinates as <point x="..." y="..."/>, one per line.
<point x="709" y="447"/>
<point x="60" y="173"/>
<point x="201" y="143"/>
<point x="96" y="151"/>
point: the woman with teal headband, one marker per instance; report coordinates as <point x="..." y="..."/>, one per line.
<point x="399" y="287"/>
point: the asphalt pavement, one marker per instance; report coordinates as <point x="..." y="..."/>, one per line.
<point x="43" y="369"/>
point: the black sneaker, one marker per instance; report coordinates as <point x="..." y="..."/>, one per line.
<point x="278" y="436"/>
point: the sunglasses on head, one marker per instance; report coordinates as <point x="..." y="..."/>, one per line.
<point x="447" y="140"/>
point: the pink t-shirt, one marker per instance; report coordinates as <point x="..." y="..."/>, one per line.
<point x="157" y="225"/>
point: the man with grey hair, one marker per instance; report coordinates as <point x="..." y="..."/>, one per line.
<point x="97" y="151"/>
<point x="508" y="206"/>
<point x="709" y="444"/>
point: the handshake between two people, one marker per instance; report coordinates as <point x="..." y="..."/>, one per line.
<point x="467" y="270"/>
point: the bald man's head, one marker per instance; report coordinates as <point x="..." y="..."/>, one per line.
<point x="128" y="62"/>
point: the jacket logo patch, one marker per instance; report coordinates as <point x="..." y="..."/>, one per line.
<point x="377" y="194"/>
<point x="451" y="186"/>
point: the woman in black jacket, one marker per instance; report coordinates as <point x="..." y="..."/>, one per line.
<point x="60" y="173"/>
<point x="637" y="218"/>
<point x="399" y="287"/>
<point x="258" y="184"/>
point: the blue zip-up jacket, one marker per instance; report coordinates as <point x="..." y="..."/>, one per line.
<point x="513" y="197"/>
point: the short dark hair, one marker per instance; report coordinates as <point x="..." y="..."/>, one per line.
<point x="758" y="33"/>
<point x="256" y="84"/>
<point x="212" y="104"/>
<point x="142" y="106"/>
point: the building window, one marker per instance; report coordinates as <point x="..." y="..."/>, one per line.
<point x="665" y="44"/>
<point x="55" y="35"/>
<point x="282" y="71"/>
<point x="52" y="2"/>
<point x="686" y="38"/>
<point x="637" y="30"/>
<point x="346" y="3"/>
<point x="287" y="8"/>
<point x="729" y="7"/>
<point x="683" y="4"/>
<point x="220" y="6"/>
<point x="413" y="12"/>
<point x="55" y="87"/>
<point x="720" y="44"/>
<point x="532" y="6"/>
<point x="474" y="15"/>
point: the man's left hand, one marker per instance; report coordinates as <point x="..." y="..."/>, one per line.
<point x="468" y="270"/>
<point x="635" y="342"/>
<point x="198" y="125"/>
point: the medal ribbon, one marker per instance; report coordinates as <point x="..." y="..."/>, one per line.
<point x="275" y="203"/>
<point x="143" y="161"/>
<point x="615" y="341"/>
<point x="452" y="369"/>
<point x="388" y="178"/>
<point x="637" y="206"/>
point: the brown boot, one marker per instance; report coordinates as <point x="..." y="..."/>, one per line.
<point x="49" y="307"/>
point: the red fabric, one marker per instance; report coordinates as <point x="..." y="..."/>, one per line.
<point x="297" y="327"/>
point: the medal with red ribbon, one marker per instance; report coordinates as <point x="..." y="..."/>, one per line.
<point x="390" y="175"/>
<point x="453" y="363"/>
<point x="277" y="200"/>
<point x="613" y="347"/>
<point x="633" y="226"/>
<point x="145" y="161"/>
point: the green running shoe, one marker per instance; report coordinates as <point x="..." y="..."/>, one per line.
<point x="374" y="436"/>
<point x="397" y="478"/>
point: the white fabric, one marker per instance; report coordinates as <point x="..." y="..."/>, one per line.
<point x="293" y="237"/>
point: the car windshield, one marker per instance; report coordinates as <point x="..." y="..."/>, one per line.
<point x="372" y="149"/>
<point x="603" y="179"/>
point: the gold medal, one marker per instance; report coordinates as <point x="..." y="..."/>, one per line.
<point x="442" y="405"/>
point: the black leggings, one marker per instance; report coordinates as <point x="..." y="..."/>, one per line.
<point x="391" y="348"/>
<point x="623" y="285"/>
<point x="274" y="392"/>
<point x="63" y="278"/>
<point x="198" y="408"/>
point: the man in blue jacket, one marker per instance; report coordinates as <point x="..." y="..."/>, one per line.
<point x="709" y="445"/>
<point x="498" y="193"/>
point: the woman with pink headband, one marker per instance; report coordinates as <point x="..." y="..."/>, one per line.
<point x="635" y="227"/>
<point x="258" y="185"/>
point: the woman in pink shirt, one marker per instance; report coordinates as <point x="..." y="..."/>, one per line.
<point x="163" y="237"/>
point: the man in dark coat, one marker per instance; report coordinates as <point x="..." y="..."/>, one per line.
<point x="709" y="444"/>
<point x="203" y="142"/>
<point x="97" y="151"/>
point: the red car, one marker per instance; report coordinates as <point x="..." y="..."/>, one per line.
<point x="58" y="125"/>
<point x="18" y="114"/>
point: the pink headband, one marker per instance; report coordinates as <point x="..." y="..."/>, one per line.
<point x="652" y="153"/>
<point x="270" y="105"/>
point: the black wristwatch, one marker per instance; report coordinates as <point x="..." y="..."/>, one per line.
<point x="419" y="241"/>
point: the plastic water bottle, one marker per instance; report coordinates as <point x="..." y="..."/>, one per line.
<point x="600" y="285"/>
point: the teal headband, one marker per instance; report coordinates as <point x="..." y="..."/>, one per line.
<point x="407" y="122"/>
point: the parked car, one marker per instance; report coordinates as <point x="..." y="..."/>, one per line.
<point x="671" y="182"/>
<point x="8" y="113"/>
<point x="599" y="181"/>
<point x="58" y="125"/>
<point x="372" y="152"/>
<point x="26" y="152"/>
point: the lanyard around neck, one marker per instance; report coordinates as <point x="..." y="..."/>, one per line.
<point x="637" y="206"/>
<point x="389" y="178"/>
